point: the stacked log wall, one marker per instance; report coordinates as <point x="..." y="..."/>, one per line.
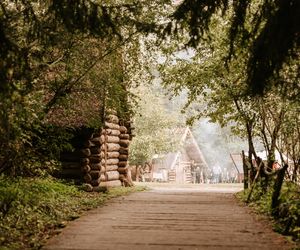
<point x="75" y="163"/>
<point x="92" y="177"/>
<point x="110" y="147"/>
<point x="125" y="138"/>
<point x="101" y="161"/>
<point x="70" y="166"/>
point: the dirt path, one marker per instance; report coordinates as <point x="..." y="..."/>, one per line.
<point x="169" y="218"/>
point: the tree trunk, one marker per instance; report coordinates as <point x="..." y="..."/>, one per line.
<point x="276" y="190"/>
<point x="260" y="166"/>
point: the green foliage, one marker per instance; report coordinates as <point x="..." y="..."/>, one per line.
<point x="220" y="92"/>
<point x="288" y="220"/>
<point x="255" y="27"/>
<point x="31" y="209"/>
<point x="289" y="210"/>
<point x="54" y="81"/>
<point x="154" y="127"/>
<point x="27" y="144"/>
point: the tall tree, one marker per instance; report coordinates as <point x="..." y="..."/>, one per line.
<point x="154" y="127"/>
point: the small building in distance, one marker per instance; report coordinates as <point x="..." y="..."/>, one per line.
<point x="186" y="165"/>
<point x="236" y="173"/>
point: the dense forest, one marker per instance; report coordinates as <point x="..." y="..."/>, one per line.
<point x="64" y="63"/>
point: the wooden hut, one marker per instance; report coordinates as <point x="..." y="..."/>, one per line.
<point x="100" y="157"/>
<point x="96" y="108"/>
<point x="186" y="165"/>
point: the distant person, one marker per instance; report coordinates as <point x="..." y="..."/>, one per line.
<point x="217" y="173"/>
<point x="198" y="174"/>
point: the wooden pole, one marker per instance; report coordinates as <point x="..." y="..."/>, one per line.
<point x="246" y="173"/>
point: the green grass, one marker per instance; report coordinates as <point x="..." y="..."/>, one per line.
<point x="33" y="209"/>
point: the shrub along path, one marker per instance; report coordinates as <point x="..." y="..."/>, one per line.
<point x="170" y="218"/>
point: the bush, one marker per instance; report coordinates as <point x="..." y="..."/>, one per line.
<point x="289" y="210"/>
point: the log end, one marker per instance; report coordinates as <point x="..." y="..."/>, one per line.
<point x="87" y="187"/>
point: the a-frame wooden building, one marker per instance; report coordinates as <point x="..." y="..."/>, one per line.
<point x="186" y="165"/>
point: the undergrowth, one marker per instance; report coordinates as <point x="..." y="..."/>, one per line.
<point x="288" y="220"/>
<point x="32" y="209"/>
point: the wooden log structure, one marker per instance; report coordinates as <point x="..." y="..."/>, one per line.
<point x="112" y="119"/>
<point x="71" y="165"/>
<point x="102" y="178"/>
<point x="123" y="157"/>
<point x="123" y="129"/>
<point x="112" y="126"/>
<point x="95" y="182"/>
<point x="74" y="165"/>
<point x="97" y="141"/>
<point x="95" y="158"/>
<point x="97" y="133"/>
<point x="113" y="132"/>
<point x="95" y="174"/>
<point x="66" y="173"/>
<point x="124" y="143"/>
<point x="85" y="169"/>
<point x="110" y="155"/>
<point x="95" y="166"/>
<point x="87" y="178"/>
<point x="112" y="161"/>
<point x="87" y="187"/>
<point x="124" y="136"/>
<point x="110" y="147"/>
<point x="122" y="164"/>
<point x="123" y="151"/>
<point x="88" y="144"/>
<point x="109" y="139"/>
<point x="112" y="175"/>
<point x="108" y="168"/>
<point x="85" y="152"/>
<point x="102" y="159"/>
<point x="95" y="150"/>
<point x="69" y="157"/>
<point x="123" y="170"/>
<point x="84" y="161"/>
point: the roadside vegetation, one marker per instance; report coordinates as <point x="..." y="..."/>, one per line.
<point x="287" y="219"/>
<point x="33" y="209"/>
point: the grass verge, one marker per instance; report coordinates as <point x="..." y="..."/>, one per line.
<point x="288" y="220"/>
<point x="33" y="209"/>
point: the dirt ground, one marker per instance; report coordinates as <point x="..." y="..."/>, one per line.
<point x="171" y="217"/>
